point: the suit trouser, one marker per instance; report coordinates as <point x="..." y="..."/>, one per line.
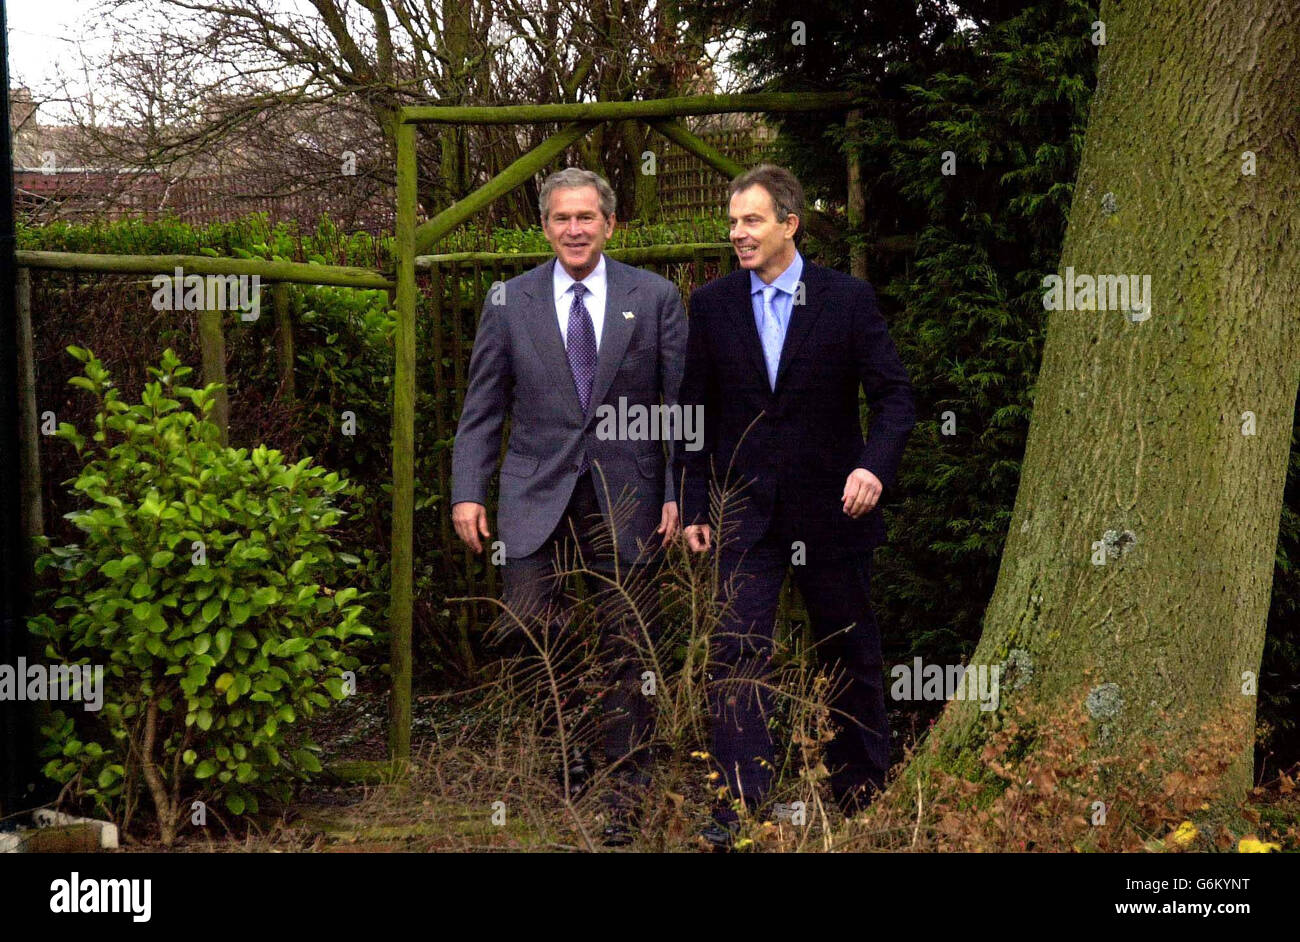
<point x="835" y="585"/>
<point x="532" y="586"/>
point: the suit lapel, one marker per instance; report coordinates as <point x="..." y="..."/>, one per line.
<point x="802" y="318"/>
<point x="743" y="304"/>
<point x="617" y="329"/>
<point x="544" y="329"/>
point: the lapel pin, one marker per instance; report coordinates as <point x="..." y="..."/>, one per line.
<point x="628" y="315"/>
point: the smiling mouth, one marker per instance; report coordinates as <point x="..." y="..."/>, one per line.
<point x="746" y="251"/>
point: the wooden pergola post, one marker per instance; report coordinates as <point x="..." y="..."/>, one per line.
<point x="401" y="565"/>
<point x="212" y="349"/>
<point x="284" y="355"/>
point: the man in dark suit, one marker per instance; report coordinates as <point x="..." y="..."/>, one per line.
<point x="776" y="354"/>
<point x="560" y="341"/>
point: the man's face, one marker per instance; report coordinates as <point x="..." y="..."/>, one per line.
<point x="576" y="229"/>
<point x="762" y="244"/>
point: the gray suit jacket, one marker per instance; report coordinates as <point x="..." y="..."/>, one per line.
<point x="519" y="368"/>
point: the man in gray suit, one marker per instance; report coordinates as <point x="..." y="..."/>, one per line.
<point x="560" y="341"/>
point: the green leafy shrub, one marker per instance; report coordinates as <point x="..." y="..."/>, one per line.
<point x="204" y="589"/>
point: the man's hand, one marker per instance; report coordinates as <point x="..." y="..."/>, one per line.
<point x="669" y="522"/>
<point x="698" y="537"/>
<point x="470" y="520"/>
<point x="861" y="491"/>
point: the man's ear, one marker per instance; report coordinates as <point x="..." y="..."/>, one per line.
<point x="790" y="231"/>
<point x="610" y="223"/>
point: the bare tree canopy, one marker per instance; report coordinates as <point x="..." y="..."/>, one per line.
<point x="289" y="95"/>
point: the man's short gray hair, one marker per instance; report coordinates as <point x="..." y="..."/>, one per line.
<point x="572" y="178"/>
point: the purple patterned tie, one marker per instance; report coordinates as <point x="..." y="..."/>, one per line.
<point x="582" y="353"/>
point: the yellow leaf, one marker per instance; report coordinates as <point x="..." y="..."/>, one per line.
<point x="224" y="681"/>
<point x="1252" y="845"/>
<point x="1183" y="835"/>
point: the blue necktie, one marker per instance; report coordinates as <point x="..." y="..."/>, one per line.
<point x="771" y="335"/>
<point x="582" y="353"/>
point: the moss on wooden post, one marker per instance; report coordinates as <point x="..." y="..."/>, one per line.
<point x="772" y="102"/>
<point x="505" y="181"/>
<point x="636" y="255"/>
<point x="401" y="599"/>
<point x="342" y="276"/>
<point x="284" y="356"/>
<point x="693" y="144"/>
<point x="212" y="347"/>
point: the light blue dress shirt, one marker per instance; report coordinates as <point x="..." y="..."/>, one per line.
<point x="773" y="339"/>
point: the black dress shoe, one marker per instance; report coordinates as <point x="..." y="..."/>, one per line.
<point x="580" y="769"/>
<point x="720" y="837"/>
<point x="617" y="834"/>
<point x="622" y="809"/>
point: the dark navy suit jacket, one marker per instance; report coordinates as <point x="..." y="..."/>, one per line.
<point x="801" y="441"/>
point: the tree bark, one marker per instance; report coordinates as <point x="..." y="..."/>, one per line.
<point x="857" y="200"/>
<point x="456" y="46"/>
<point x="1139" y="450"/>
<point x="164" y="806"/>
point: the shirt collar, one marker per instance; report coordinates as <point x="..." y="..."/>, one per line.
<point x="562" y="280"/>
<point x="787" y="281"/>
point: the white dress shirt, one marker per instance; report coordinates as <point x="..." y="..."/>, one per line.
<point x="593" y="300"/>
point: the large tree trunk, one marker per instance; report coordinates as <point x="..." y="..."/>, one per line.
<point x="1139" y="439"/>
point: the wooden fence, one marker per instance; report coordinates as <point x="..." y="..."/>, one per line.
<point x="88" y="195"/>
<point x="688" y="188"/>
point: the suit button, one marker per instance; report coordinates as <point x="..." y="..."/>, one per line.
<point x="574" y="468"/>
